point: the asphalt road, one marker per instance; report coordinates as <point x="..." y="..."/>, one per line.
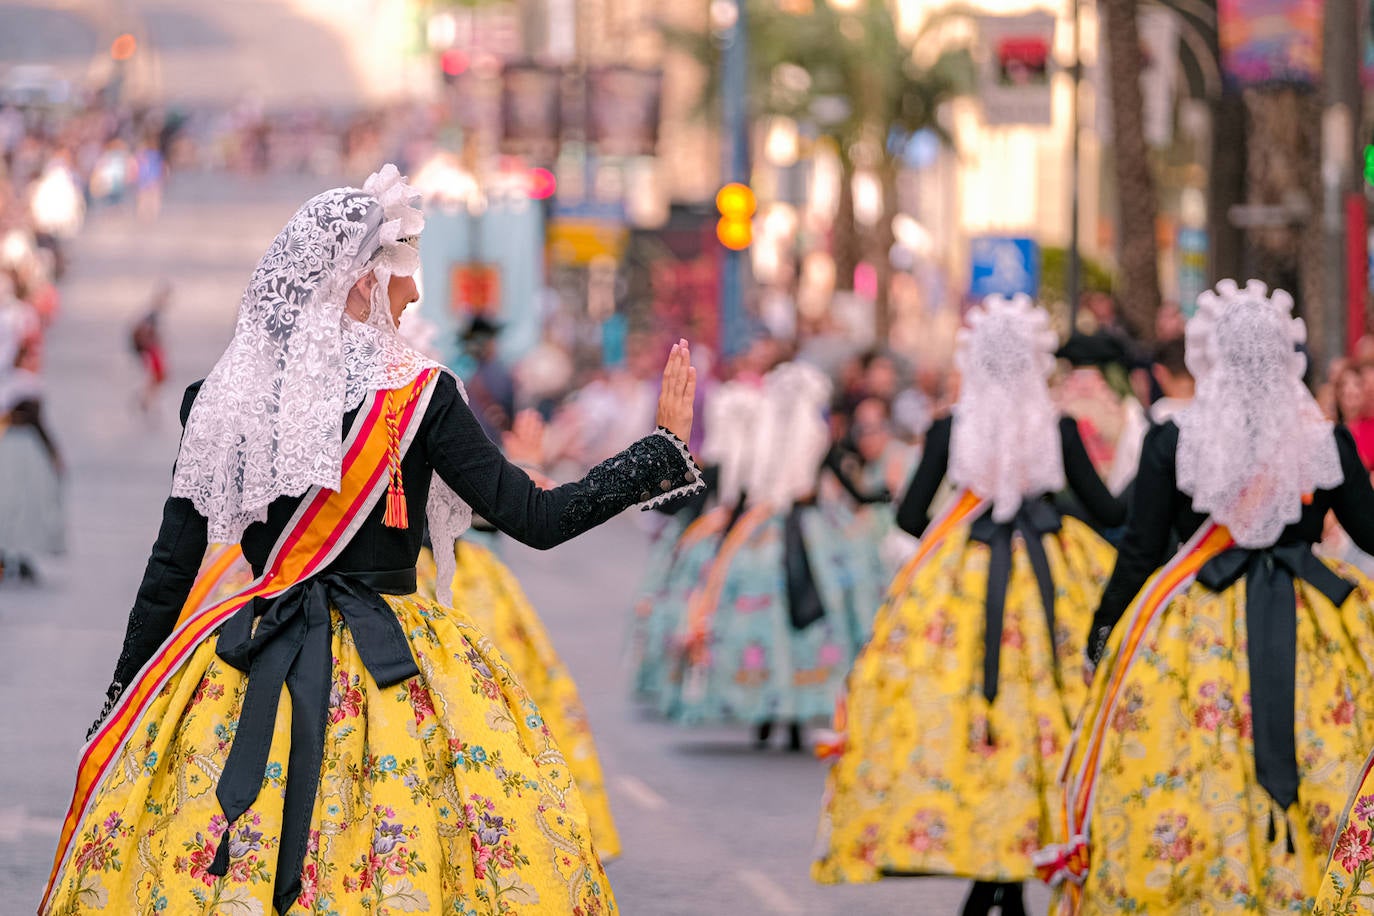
<point x="708" y="824"/>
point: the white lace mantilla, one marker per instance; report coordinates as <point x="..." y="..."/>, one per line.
<point x="789" y="435"/>
<point x="1253" y="443"/>
<point x="1004" y="445"/>
<point x="268" y="421"/>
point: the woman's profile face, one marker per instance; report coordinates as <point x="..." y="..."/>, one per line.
<point x="401" y="291"/>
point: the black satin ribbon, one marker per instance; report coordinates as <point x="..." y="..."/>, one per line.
<point x="290" y="645"/>
<point x="1035" y="519"/>
<point x="804" y="605"/>
<point x="1271" y="619"/>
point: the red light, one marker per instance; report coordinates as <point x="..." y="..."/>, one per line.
<point x="542" y="184"/>
<point x="454" y="62"/>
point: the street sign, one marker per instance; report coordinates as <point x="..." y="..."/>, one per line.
<point x="1192" y="268"/>
<point x="1004" y="266"/>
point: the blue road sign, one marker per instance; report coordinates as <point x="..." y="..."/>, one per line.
<point x="1004" y="266"/>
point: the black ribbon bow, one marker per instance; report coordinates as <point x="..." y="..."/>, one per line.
<point x="1271" y="619"/>
<point x="804" y="604"/>
<point x="1035" y="519"/>
<point x="290" y="645"/>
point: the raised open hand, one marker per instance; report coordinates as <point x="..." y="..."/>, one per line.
<point x="678" y="393"/>
<point x="524" y="444"/>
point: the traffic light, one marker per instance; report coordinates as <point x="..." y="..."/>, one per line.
<point x="736" y="203"/>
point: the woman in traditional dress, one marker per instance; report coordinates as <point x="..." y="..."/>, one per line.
<point x="789" y="596"/>
<point x="32" y="522"/>
<point x="959" y="706"/>
<point x="1234" y="702"/>
<point x="409" y="771"/>
<point x="689" y="543"/>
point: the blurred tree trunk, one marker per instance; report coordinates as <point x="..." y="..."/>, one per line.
<point x="1283" y="168"/>
<point x="1137" y="206"/>
<point x="883" y="240"/>
<point x="845" y="242"/>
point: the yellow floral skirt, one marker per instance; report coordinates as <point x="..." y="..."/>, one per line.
<point x="446" y="793"/>
<point x="931" y="779"/>
<point x="1348" y="888"/>
<point x="1179" y="821"/>
<point x="488" y="592"/>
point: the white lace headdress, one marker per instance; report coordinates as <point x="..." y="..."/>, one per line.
<point x="1253" y="443"/>
<point x="1005" y="442"/>
<point x="268" y="421"/>
<point x="790" y="435"/>
<point x="731" y="412"/>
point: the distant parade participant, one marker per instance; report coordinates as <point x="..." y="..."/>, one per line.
<point x="1233" y="700"/>
<point x="958" y="708"/>
<point x="788" y="597"/>
<point x="685" y="548"/>
<point x="403" y="767"/>
<point x="32" y="519"/>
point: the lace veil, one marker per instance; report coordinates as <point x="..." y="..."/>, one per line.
<point x="1253" y="443"/>
<point x="1005" y="440"/>
<point x="790" y="435"/>
<point x="268" y="421"/>
<point x="731" y="413"/>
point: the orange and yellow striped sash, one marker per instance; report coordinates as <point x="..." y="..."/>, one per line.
<point x="1069" y="862"/>
<point x="321" y="527"/>
<point x="965" y="506"/>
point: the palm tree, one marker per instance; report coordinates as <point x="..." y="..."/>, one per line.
<point x="851" y="77"/>
<point x="1137" y="205"/>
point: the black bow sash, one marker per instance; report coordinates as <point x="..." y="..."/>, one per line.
<point x="804" y="604"/>
<point x="291" y="646"/>
<point x="1035" y="519"/>
<point x="1271" y="619"/>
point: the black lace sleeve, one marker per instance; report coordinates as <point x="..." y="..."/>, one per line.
<point x="652" y="471"/>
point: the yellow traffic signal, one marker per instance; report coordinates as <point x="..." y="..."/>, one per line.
<point x="735" y="234"/>
<point x="736" y="203"/>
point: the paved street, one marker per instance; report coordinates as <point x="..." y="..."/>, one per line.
<point x="709" y="826"/>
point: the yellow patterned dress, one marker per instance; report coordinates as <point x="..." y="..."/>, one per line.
<point x="472" y="809"/>
<point x="488" y="592"/>
<point x="932" y="779"/>
<point x="1348" y="889"/>
<point x="1180" y="823"/>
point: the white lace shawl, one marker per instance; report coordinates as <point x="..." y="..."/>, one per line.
<point x="1253" y="442"/>
<point x="268" y="421"/>
<point x="1005" y="445"/>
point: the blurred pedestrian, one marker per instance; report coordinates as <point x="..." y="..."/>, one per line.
<point x="146" y="340"/>
<point x="150" y="174"/>
<point x="32" y="522"/>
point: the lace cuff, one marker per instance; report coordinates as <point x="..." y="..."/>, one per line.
<point x="652" y="471"/>
<point x="689" y="482"/>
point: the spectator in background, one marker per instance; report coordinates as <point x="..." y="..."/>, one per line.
<point x="1354" y="400"/>
<point x="151" y="170"/>
<point x="1170" y="373"/>
<point x="491" y="388"/>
